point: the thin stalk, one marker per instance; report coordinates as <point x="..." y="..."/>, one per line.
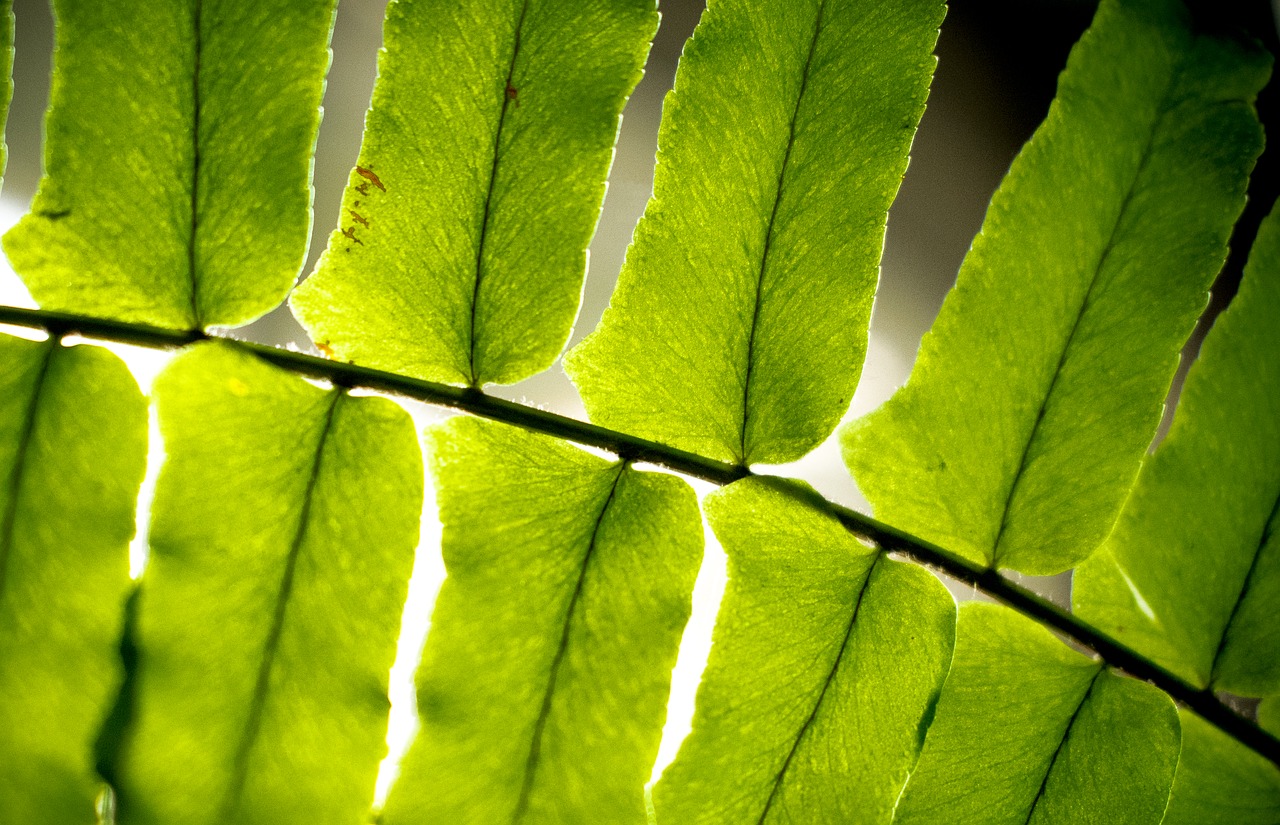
<point x="629" y="448"/>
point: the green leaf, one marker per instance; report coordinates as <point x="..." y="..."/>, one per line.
<point x="814" y="701"/>
<point x="543" y="686"/>
<point x="282" y="540"/>
<point x="740" y="322"/>
<point x="177" y="188"/>
<point x="461" y="248"/>
<point x="73" y="446"/>
<point x="1191" y="575"/>
<point x="1221" y="782"/>
<point x="1269" y="715"/>
<point x="1028" y="731"/>
<point x="1036" y="394"/>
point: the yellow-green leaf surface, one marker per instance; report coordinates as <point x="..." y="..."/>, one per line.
<point x="1040" y="386"/>
<point x="1029" y="731"/>
<point x="740" y="322"/>
<point x="1269" y="715"/>
<point x="282" y="539"/>
<point x="543" y="686"/>
<point x="73" y="445"/>
<point x="461" y="247"/>
<point x="824" y="668"/>
<point x="177" y="187"/>
<point x="1221" y="782"/>
<point x="1191" y="575"/>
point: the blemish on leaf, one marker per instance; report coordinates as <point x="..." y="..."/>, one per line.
<point x="324" y="348"/>
<point x="54" y="214"/>
<point x="359" y="218"/>
<point x="350" y="233"/>
<point x="513" y="94"/>
<point x="363" y="189"/>
<point x="368" y="175"/>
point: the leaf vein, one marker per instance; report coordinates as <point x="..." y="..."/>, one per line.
<point x="768" y="231"/>
<point x="535" y="745"/>
<point x="253" y="722"/>
<point x="1166" y="106"/>
<point x="488" y="195"/>
<point x="822" y="694"/>
<point x="9" y="523"/>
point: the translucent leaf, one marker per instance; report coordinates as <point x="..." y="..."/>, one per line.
<point x="1029" y="731"/>
<point x="824" y="668"/>
<point x="282" y="540"/>
<point x="461" y="247"/>
<point x="740" y="321"/>
<point x="177" y="188"/>
<point x="73" y="445"/>
<point x="1040" y="386"/>
<point x="1191" y="575"/>
<point x="543" y="686"/>
<point x="1221" y="782"/>
<point x="1269" y="715"/>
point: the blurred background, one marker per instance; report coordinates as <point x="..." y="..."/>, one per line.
<point x="998" y="63"/>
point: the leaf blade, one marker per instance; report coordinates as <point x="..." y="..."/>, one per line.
<point x="1026" y="731"/>
<point x="271" y="604"/>
<point x="73" y="452"/>
<point x="728" y="335"/>
<point x="1209" y="617"/>
<point x="177" y="190"/>
<point x="816" y="689"/>
<point x="502" y="202"/>
<point x="544" y="680"/>
<point x="1220" y="782"/>
<point x="1064" y="329"/>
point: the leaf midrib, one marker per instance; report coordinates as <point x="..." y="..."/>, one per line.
<point x="192" y="250"/>
<point x="535" y="744"/>
<point x="9" y="523"/>
<point x="1162" y="111"/>
<point x="1245" y="583"/>
<point x="1066" y="734"/>
<point x="488" y="195"/>
<point x="744" y="454"/>
<point x="253" y="722"/>
<point x="822" y="694"/>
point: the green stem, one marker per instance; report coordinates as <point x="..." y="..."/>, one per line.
<point x="638" y="450"/>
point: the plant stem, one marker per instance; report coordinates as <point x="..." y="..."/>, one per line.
<point x="889" y="539"/>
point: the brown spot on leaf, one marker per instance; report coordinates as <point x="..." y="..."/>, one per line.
<point x="350" y="234"/>
<point x="368" y="175"/>
<point x="358" y="218"/>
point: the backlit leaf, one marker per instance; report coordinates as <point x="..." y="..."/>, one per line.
<point x="177" y="188"/>
<point x="282" y="539"/>
<point x="461" y="247"/>
<point x="1040" y="386"/>
<point x="1221" y="782"/>
<point x="1029" y="731"/>
<point x="543" y="686"/>
<point x="73" y="445"/>
<point x="1191" y="575"/>
<point x="824" y="668"/>
<point x="740" y="322"/>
